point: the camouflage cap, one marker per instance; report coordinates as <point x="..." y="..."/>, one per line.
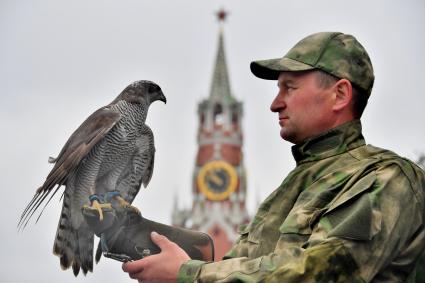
<point x="338" y="54"/>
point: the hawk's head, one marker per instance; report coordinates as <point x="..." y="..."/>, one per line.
<point x="143" y="92"/>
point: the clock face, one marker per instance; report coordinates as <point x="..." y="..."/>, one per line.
<point x="217" y="180"/>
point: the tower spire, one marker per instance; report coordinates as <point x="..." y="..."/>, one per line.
<point x="220" y="85"/>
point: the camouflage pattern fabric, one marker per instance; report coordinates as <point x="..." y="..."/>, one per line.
<point x="338" y="54"/>
<point x="348" y="212"/>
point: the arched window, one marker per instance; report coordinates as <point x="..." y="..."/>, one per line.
<point x="218" y="114"/>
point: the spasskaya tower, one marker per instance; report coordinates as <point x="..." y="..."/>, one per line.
<point x="219" y="180"/>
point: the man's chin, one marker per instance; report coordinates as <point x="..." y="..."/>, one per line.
<point x="286" y="136"/>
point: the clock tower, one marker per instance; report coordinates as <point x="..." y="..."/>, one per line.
<point x="219" y="181"/>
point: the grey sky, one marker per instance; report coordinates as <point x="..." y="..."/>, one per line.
<point x="61" y="60"/>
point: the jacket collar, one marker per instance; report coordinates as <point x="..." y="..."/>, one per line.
<point x="333" y="142"/>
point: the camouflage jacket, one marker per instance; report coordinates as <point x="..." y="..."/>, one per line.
<point x="348" y="212"/>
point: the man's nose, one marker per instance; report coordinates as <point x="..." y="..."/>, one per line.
<point x="278" y="103"/>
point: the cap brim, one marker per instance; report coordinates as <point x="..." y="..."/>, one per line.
<point x="271" y="68"/>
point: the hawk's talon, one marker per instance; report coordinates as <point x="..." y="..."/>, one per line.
<point x="125" y="204"/>
<point x="96" y="205"/>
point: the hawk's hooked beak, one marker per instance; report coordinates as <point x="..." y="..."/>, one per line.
<point x="162" y="97"/>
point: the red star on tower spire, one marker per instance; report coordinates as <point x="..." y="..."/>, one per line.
<point x="221" y="15"/>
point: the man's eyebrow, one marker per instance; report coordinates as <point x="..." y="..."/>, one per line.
<point x="285" y="81"/>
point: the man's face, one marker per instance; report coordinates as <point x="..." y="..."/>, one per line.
<point x="304" y="107"/>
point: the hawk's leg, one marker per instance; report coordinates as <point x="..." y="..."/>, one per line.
<point x="114" y="195"/>
<point x="96" y="204"/>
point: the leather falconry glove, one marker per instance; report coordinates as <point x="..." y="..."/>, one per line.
<point x="125" y="235"/>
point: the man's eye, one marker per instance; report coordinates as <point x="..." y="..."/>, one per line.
<point x="286" y="86"/>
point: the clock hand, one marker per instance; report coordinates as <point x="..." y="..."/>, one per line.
<point x="213" y="177"/>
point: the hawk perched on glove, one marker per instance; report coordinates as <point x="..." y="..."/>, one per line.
<point x="107" y="158"/>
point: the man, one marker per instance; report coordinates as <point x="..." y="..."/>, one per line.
<point x="348" y="212"/>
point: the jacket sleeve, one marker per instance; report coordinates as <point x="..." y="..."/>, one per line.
<point x="373" y="232"/>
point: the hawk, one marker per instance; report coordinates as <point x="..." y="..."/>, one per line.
<point x="107" y="158"/>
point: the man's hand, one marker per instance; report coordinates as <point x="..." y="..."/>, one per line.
<point x="162" y="267"/>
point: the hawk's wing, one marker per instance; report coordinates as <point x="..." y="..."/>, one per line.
<point x="91" y="131"/>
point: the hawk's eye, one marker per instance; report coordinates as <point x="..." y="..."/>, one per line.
<point x="153" y="88"/>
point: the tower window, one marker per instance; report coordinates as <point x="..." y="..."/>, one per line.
<point x="218" y="114"/>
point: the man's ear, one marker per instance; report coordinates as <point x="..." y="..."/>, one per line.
<point x="343" y="94"/>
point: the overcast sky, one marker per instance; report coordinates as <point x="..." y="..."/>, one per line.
<point x="61" y="60"/>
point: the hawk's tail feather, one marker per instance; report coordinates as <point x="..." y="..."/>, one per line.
<point x="75" y="268"/>
<point x="98" y="252"/>
<point x="85" y="246"/>
<point x="64" y="261"/>
<point x="76" y="264"/>
<point x="73" y="245"/>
